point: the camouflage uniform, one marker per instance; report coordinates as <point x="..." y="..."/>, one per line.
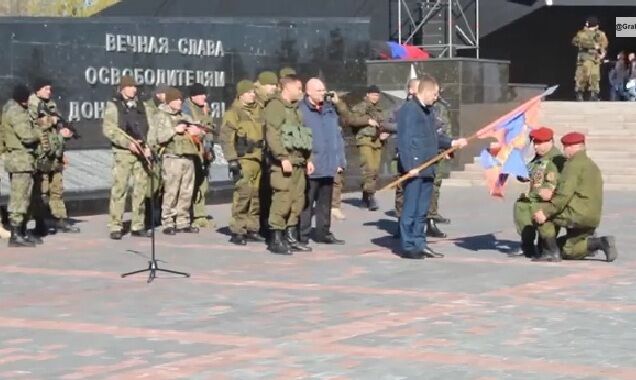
<point x="20" y="139"/>
<point x="202" y="162"/>
<point x="287" y="139"/>
<point x="544" y="174"/>
<point x="265" y="189"/>
<point x="590" y="44"/>
<point x="126" y="164"/>
<point x="243" y="140"/>
<point x="179" y="153"/>
<point x="49" y="160"/>
<point x="369" y="145"/>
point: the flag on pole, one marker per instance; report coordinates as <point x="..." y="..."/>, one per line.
<point x="504" y="157"/>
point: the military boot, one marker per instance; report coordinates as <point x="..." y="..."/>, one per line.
<point x="17" y="239"/>
<point x="579" y="96"/>
<point x="28" y="236"/>
<point x="373" y="205"/>
<point x="432" y="230"/>
<point x="365" y="199"/>
<point x="551" y="251"/>
<point x="65" y="227"/>
<point x="527" y="243"/>
<point x="440" y="219"/>
<point x="4" y="234"/>
<point x="607" y="244"/>
<point x="278" y="243"/>
<point x="292" y="240"/>
<point x="238" y="239"/>
<point x="594" y="97"/>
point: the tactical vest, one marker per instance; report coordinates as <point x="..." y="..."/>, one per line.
<point x="132" y="120"/>
<point x="587" y="50"/>
<point x="180" y="145"/>
<point x="295" y="136"/>
<point x="50" y="150"/>
<point x="250" y="139"/>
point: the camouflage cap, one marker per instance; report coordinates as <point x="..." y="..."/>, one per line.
<point x="127" y="81"/>
<point x="286" y="71"/>
<point x="267" y="77"/>
<point x="243" y="87"/>
<point x="173" y="94"/>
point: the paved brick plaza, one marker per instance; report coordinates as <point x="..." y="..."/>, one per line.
<point x="352" y="312"/>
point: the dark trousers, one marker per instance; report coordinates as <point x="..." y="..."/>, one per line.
<point x="318" y="203"/>
<point x="417" y="200"/>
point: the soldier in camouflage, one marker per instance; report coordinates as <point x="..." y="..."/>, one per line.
<point x="592" y="44"/>
<point x="197" y="108"/>
<point x="50" y="160"/>
<point x="266" y="87"/>
<point x="576" y="205"/>
<point x="243" y="144"/>
<point x="4" y="233"/>
<point x="180" y="143"/>
<point x="369" y="140"/>
<point x="289" y="144"/>
<point x="20" y="139"/>
<point x="126" y="125"/>
<point x="544" y="172"/>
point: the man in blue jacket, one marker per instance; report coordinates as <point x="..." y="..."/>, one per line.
<point x="418" y="142"/>
<point x="328" y="158"/>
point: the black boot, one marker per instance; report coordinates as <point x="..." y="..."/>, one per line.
<point x="594" y="97"/>
<point x="579" y="96"/>
<point x="527" y="242"/>
<point x="607" y="244"/>
<point x="254" y="236"/>
<point x="292" y="240"/>
<point x="551" y="251"/>
<point x="64" y="226"/>
<point x="237" y="239"/>
<point x="28" y="236"/>
<point x="432" y="230"/>
<point x="278" y="243"/>
<point x="365" y="199"/>
<point x="17" y="239"/>
<point x="373" y="205"/>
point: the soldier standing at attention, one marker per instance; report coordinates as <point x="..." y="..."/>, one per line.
<point x="369" y="141"/>
<point x="289" y="143"/>
<point x="125" y="122"/>
<point x="544" y="172"/>
<point x="180" y="143"/>
<point x="576" y="206"/>
<point x="196" y="107"/>
<point x="243" y="142"/>
<point x="20" y="139"/>
<point x="266" y="87"/>
<point x="48" y="181"/>
<point x="591" y="43"/>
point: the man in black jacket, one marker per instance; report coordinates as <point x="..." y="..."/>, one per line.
<point x="418" y="142"/>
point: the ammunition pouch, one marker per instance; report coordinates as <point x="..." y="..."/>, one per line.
<point x="296" y="137"/>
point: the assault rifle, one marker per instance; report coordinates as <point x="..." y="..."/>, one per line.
<point x="43" y="110"/>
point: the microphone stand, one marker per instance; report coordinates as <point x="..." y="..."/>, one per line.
<point x="153" y="267"/>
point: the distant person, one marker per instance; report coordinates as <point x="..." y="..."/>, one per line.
<point x="591" y="43"/>
<point x="618" y="78"/>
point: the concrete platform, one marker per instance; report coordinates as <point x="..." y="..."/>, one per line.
<point x="350" y="312"/>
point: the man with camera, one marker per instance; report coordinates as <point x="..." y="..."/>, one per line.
<point x="50" y="163"/>
<point x="242" y="140"/>
<point x="319" y="114"/>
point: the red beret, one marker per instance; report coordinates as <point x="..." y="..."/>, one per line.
<point x="542" y="134"/>
<point x="573" y="138"/>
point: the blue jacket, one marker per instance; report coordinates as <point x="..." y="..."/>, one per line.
<point x="418" y="140"/>
<point x="328" y="144"/>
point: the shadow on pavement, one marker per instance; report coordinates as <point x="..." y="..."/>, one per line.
<point x="487" y="242"/>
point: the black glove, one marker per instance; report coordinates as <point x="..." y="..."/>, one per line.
<point x="234" y="170"/>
